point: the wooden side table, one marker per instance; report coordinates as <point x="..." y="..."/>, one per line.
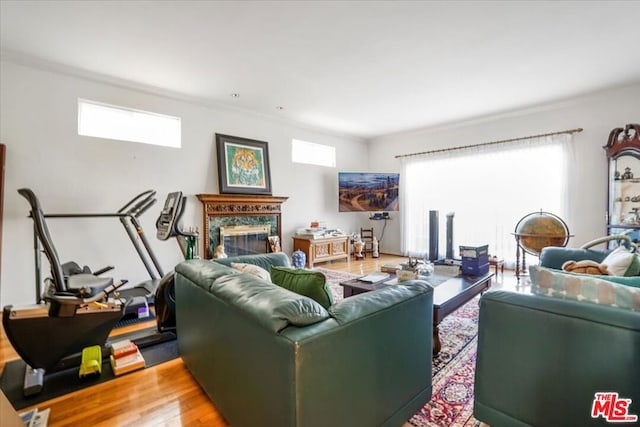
<point x="322" y="249"/>
<point x="497" y="263"/>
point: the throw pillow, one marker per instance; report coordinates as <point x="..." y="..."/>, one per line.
<point x="621" y="262"/>
<point x="312" y="284"/>
<point x="252" y="269"/>
<point x="590" y="289"/>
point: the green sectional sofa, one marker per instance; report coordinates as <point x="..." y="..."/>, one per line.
<point x="543" y="357"/>
<point x="269" y="357"/>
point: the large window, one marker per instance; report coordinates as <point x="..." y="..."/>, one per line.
<point x="312" y="153"/>
<point x="488" y="189"/>
<point x="126" y="124"/>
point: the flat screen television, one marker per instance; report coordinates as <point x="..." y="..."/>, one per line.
<point x="368" y="191"/>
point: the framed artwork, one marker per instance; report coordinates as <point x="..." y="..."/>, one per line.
<point x="243" y="165"/>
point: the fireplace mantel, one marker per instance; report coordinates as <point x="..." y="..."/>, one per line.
<point x="238" y="209"/>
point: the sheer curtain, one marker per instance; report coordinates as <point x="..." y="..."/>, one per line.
<point x="488" y="188"/>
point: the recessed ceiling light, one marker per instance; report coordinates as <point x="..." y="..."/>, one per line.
<point x="235" y="95"/>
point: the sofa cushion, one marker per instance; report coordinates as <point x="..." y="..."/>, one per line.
<point x="554" y="257"/>
<point x="263" y="260"/>
<point x="203" y="272"/>
<point x="585" y="288"/>
<point x="252" y="269"/>
<point x="312" y="284"/>
<point x="270" y="305"/>
<point x="622" y="262"/>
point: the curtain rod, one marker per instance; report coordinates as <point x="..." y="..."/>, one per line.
<point x="484" y="144"/>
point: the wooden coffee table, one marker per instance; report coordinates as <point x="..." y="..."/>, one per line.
<point x="451" y="294"/>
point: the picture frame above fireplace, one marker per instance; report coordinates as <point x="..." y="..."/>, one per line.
<point x="243" y="165"/>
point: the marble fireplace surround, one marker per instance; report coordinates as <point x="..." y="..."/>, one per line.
<point x="223" y="210"/>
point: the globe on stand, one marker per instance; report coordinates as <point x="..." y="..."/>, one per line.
<point x="536" y="231"/>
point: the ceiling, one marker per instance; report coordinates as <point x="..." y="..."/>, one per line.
<point x="361" y="69"/>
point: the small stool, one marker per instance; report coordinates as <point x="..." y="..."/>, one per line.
<point x="494" y="261"/>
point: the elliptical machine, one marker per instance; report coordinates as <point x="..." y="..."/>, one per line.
<point x="168" y="225"/>
<point x="128" y="215"/>
<point x="139" y="297"/>
<point x="74" y="312"/>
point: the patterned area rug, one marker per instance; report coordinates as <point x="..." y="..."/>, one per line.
<point x="333" y="280"/>
<point x="453" y="369"/>
<point x="451" y="403"/>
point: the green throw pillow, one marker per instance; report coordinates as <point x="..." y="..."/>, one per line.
<point x="309" y="283"/>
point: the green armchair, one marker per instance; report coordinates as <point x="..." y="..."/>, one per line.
<point x="553" y="257"/>
<point x="541" y="360"/>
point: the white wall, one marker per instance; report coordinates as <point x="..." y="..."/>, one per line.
<point x="597" y="114"/>
<point x="70" y="173"/>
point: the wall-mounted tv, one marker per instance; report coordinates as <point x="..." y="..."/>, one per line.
<point x="368" y="191"/>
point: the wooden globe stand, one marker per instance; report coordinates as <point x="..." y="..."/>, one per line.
<point x="524" y="239"/>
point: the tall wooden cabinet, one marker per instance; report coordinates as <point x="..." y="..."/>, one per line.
<point x="623" y="157"/>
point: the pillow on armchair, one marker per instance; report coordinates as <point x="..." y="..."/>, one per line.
<point x="622" y="262"/>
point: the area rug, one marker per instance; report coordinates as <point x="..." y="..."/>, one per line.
<point x="333" y="281"/>
<point x="451" y="403"/>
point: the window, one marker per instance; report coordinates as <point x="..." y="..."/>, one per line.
<point x="126" y="124"/>
<point x="313" y="154"/>
<point x="488" y="190"/>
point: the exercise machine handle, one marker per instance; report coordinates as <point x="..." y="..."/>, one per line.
<point x="135" y="205"/>
<point x="68" y="299"/>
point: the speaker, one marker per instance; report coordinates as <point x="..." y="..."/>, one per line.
<point x="450" y="235"/>
<point x="433" y="235"/>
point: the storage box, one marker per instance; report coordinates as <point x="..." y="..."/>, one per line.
<point x="475" y="261"/>
<point x="474" y="251"/>
<point x="474" y="269"/>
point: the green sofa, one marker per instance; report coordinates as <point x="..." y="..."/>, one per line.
<point x="269" y="357"/>
<point x="541" y="359"/>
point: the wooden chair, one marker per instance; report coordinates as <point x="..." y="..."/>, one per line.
<point x="366" y="234"/>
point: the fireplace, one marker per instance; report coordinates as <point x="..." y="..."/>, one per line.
<point x="222" y="211"/>
<point x="245" y="239"/>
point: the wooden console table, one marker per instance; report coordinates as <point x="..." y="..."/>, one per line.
<point x="322" y="249"/>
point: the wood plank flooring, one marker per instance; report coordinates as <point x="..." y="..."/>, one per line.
<point x="165" y="394"/>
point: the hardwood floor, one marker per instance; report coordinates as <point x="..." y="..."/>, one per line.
<point x="165" y="394"/>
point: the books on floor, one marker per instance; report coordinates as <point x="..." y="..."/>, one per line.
<point x="125" y="357"/>
<point x="123" y="348"/>
<point x="36" y="417"/>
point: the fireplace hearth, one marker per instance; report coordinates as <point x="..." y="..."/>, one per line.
<point x="228" y="211"/>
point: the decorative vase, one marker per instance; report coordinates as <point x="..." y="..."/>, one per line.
<point x="298" y="259"/>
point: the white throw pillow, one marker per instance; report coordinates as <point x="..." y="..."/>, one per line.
<point x="621" y="262"/>
<point x="252" y="269"/>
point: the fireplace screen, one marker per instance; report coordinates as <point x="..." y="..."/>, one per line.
<point x="245" y="239"/>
